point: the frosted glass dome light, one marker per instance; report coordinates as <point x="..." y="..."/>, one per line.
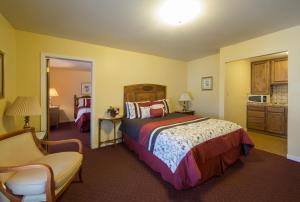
<point x="176" y="12"/>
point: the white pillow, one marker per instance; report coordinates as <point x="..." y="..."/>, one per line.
<point x="171" y="109"/>
<point x="137" y="107"/>
<point x="145" y="112"/>
<point x="80" y="102"/>
<point x="130" y="110"/>
<point x="170" y="106"/>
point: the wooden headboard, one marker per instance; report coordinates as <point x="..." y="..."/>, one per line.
<point x="144" y="92"/>
<point x="76" y="103"/>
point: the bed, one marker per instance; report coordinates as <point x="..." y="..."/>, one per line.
<point x="185" y="149"/>
<point x="82" y="112"/>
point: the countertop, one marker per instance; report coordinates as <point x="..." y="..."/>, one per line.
<point x="267" y="104"/>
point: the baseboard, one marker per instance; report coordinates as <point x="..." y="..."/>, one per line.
<point x="293" y="158"/>
<point x="66" y="121"/>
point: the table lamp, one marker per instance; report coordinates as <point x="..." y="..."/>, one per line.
<point x="25" y="106"/>
<point x="185" y="98"/>
<point x="52" y="93"/>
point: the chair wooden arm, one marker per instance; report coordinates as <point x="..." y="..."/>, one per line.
<point x="64" y="142"/>
<point x="50" y="184"/>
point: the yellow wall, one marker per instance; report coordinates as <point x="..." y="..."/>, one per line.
<point x="285" y="40"/>
<point x="67" y="83"/>
<point x="8" y="46"/>
<point x="237" y="87"/>
<point x="113" y="69"/>
<point x="205" y="103"/>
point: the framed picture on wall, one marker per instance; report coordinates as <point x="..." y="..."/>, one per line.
<point x="86" y="88"/>
<point x="1" y="74"/>
<point x="207" y="83"/>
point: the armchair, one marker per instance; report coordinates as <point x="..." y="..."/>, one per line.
<point x="29" y="173"/>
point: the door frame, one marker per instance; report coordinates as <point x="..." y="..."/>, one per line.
<point x="44" y="91"/>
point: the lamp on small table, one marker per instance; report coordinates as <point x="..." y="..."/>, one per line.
<point x="25" y="106"/>
<point x="52" y="93"/>
<point x="185" y="98"/>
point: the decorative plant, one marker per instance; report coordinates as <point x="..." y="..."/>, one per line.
<point x="113" y="111"/>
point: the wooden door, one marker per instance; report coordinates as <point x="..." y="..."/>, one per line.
<point x="260" y="78"/>
<point x="276" y="120"/>
<point x="279" y="70"/>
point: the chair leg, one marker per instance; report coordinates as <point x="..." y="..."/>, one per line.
<point x="80" y="174"/>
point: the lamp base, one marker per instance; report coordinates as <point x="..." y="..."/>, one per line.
<point x="185" y="108"/>
<point x="26" y="125"/>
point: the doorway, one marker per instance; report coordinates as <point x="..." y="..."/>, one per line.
<point x="67" y="86"/>
<point x="266" y="123"/>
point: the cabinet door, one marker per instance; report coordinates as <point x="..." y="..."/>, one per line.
<point x="279" y="70"/>
<point x="275" y="122"/>
<point x="260" y="78"/>
<point x="256" y="117"/>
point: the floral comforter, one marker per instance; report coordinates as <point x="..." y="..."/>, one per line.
<point x="171" y="142"/>
<point x="172" y="137"/>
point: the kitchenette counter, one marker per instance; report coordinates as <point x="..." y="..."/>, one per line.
<point x="267" y="104"/>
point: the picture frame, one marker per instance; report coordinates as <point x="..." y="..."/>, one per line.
<point x="207" y="83"/>
<point x="86" y="88"/>
<point x="1" y="74"/>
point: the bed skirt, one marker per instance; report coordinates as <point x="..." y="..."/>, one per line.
<point x="194" y="168"/>
<point x="84" y="122"/>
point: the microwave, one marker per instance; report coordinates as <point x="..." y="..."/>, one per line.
<point x="258" y="98"/>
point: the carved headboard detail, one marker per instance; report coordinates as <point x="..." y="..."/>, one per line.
<point x="143" y="92"/>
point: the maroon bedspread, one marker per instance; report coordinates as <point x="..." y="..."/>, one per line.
<point x="203" y="161"/>
<point x="83" y="123"/>
<point x="147" y="128"/>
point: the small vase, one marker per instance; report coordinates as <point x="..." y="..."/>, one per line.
<point x="113" y="113"/>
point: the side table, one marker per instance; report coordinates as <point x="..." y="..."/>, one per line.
<point x="114" y="121"/>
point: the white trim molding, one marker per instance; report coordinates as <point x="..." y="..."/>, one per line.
<point x="44" y="56"/>
<point x="293" y="158"/>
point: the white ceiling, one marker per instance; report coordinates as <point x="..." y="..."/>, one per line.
<point x="134" y="24"/>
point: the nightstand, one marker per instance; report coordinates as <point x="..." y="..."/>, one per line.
<point x="190" y="112"/>
<point x="54" y="116"/>
<point x="114" y="121"/>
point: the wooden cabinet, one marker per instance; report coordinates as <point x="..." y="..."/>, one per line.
<point x="256" y="117"/>
<point x="54" y="116"/>
<point x="267" y="118"/>
<point x="279" y="71"/>
<point x="260" y="78"/>
<point x="276" y="120"/>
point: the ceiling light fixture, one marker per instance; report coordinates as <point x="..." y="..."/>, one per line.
<point x="177" y="12"/>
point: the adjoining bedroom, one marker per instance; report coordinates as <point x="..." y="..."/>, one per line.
<point x="70" y="98"/>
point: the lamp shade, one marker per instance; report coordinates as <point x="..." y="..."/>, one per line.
<point x="53" y="92"/>
<point x="24" y="106"/>
<point x="185" y="97"/>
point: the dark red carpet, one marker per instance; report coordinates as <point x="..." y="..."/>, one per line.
<point x="114" y="174"/>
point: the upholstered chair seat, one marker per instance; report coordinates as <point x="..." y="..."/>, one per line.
<point x="34" y="175"/>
